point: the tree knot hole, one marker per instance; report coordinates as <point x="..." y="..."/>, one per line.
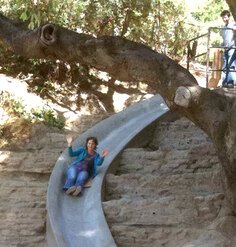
<point x="48" y="34"/>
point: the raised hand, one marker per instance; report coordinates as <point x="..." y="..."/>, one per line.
<point x="69" y="140"/>
<point x="104" y="153"/>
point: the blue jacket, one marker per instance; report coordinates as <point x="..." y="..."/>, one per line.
<point x="81" y="153"/>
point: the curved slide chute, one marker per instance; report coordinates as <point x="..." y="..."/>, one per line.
<point x="80" y="221"/>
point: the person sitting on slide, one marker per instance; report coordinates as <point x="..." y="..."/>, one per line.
<point x="84" y="166"/>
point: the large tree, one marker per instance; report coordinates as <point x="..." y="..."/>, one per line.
<point x="146" y="22"/>
<point x="214" y="111"/>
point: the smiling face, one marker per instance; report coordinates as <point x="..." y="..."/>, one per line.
<point x="91" y="145"/>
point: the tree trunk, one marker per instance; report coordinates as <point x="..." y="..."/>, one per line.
<point x="213" y="111"/>
<point x="232" y="6"/>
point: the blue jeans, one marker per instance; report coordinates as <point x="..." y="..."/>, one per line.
<point x="75" y="177"/>
<point x="229" y="77"/>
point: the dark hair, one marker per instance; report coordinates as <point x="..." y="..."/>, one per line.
<point x="92" y="138"/>
<point x="225" y="12"/>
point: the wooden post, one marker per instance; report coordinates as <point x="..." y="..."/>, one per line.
<point x="216" y="67"/>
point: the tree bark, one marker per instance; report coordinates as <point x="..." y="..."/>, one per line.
<point x="232" y="6"/>
<point x="213" y="111"/>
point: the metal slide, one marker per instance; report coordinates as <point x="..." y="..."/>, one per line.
<point x="80" y="221"/>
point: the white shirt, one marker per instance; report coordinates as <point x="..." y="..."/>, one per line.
<point x="229" y="36"/>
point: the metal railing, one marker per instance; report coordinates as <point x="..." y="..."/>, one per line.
<point x="191" y="55"/>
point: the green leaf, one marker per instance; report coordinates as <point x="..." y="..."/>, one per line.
<point x="24" y="16"/>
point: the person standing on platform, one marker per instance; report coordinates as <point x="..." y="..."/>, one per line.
<point x="229" y="55"/>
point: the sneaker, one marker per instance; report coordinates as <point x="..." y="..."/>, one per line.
<point x="71" y="190"/>
<point x="77" y="191"/>
<point x="229" y="85"/>
<point x="88" y="183"/>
